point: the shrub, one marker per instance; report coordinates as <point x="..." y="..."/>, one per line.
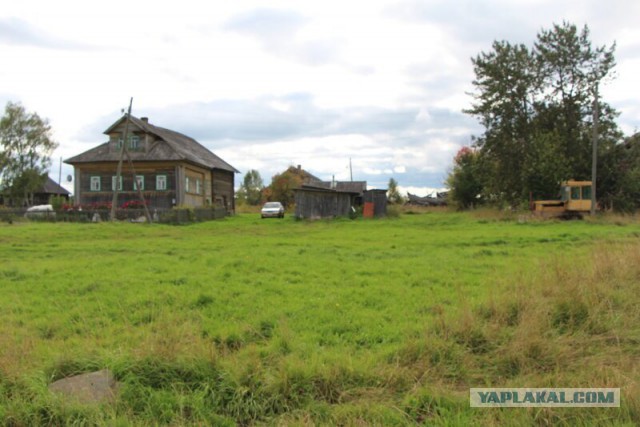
<point x="393" y="211"/>
<point x="57" y="202"/>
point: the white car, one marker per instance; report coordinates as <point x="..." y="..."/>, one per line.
<point x="40" y="211"/>
<point x="272" y="210"/>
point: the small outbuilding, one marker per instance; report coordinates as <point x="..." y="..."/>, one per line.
<point x="375" y="204"/>
<point x="317" y="201"/>
<point x="313" y="202"/>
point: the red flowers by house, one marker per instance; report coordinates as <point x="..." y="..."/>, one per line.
<point x="133" y="204"/>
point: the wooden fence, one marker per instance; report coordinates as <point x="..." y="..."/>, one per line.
<point x="164" y="216"/>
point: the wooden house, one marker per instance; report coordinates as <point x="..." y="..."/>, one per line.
<point x="305" y="177"/>
<point x="172" y="169"/>
<point x="49" y="189"/>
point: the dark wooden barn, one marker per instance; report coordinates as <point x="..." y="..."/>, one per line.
<point x="319" y="203"/>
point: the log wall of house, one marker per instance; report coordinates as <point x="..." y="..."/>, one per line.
<point x="222" y="190"/>
<point x="158" y="198"/>
<point x="195" y="193"/>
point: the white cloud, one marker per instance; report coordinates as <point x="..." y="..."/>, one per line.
<point x="311" y="83"/>
<point x="421" y="191"/>
<point x="399" y="169"/>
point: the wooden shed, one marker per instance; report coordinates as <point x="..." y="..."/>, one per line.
<point x="318" y="203"/>
<point x="375" y="203"/>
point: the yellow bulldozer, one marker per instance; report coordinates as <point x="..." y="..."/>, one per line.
<point x="575" y="201"/>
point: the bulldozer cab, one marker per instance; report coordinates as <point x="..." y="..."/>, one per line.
<point x="575" y="200"/>
<point x="579" y="196"/>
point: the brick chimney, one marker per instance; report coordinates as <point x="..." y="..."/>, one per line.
<point x="145" y="119"/>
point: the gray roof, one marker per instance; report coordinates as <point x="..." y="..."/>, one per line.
<point x="358" y="187"/>
<point x="51" y="187"/>
<point x="171" y="146"/>
<point x="321" y="187"/>
<point x="307" y="178"/>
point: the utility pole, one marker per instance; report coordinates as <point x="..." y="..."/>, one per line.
<point x="124" y="152"/>
<point x="594" y="158"/>
<point x="60" y="172"/>
<point x="350" y="169"/>
<point x="114" y="200"/>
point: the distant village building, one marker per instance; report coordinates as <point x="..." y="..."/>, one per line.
<point x="172" y="169"/>
<point x="42" y="196"/>
<point x="49" y="189"/>
<point x="305" y="176"/>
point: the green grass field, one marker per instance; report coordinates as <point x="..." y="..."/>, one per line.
<point x="388" y="322"/>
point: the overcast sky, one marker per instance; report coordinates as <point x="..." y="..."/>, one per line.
<point x="270" y="84"/>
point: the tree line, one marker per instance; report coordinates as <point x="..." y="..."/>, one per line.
<point x="536" y="105"/>
<point x="26" y="145"/>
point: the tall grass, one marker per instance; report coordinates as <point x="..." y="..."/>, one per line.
<point x="571" y="322"/>
<point x="387" y="322"/>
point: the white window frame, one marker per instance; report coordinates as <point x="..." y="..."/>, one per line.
<point x="139" y="179"/>
<point x="113" y="183"/>
<point x="186" y="184"/>
<point x="198" y="186"/>
<point x="94" y="183"/>
<point x="161" y="182"/>
<point x="134" y="142"/>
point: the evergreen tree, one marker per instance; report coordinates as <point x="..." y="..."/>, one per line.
<point x="536" y="107"/>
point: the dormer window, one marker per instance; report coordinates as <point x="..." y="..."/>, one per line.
<point x="134" y="142"/>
